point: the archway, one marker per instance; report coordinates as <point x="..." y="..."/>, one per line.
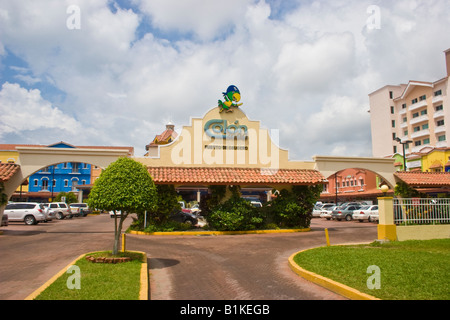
<point x="33" y="159"/>
<point x="329" y="165"/>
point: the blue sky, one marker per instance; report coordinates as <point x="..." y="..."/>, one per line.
<point x="303" y="67"/>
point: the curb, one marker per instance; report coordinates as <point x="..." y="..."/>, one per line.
<point x="143" y="292"/>
<point x="215" y="233"/>
<point x="329" y="284"/>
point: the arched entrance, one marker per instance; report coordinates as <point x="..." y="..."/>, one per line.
<point x="33" y="159"/>
<point x="329" y="165"/>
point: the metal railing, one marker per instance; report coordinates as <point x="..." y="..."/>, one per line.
<point x="421" y="211"/>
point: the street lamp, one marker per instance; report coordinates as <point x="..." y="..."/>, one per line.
<point x="403" y="145"/>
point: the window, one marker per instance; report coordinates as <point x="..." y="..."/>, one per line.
<point x="35" y="182"/>
<point x="423" y="112"/>
<point x="66" y="183"/>
<point x="392" y="109"/>
<point x="418" y="143"/>
<point x="393" y="123"/>
<point x="425" y="126"/>
<point x="404" y="106"/>
<point x="424" y="97"/>
<point x="438" y="93"/>
<point x="75" y="167"/>
<point x="405" y="119"/>
<point x="441" y="138"/>
<point x="393" y="136"/>
<point x="414" y="101"/>
<point x="395" y="149"/>
<point x="391" y="95"/>
<point x="426" y="141"/>
<point x="44" y="184"/>
<point x="439" y="108"/>
<point x="416" y="129"/>
<point x="440" y="123"/>
<point x="415" y="115"/>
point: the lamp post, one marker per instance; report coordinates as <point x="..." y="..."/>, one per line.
<point x="403" y="145"/>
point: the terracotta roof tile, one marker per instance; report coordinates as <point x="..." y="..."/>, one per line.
<point x="425" y="179"/>
<point x="7" y="170"/>
<point x="254" y="176"/>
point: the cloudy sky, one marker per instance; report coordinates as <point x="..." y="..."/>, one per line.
<point x="99" y="72"/>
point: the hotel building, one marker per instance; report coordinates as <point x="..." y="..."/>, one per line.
<point x="418" y="111"/>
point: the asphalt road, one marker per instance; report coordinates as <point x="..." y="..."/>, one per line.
<point x="234" y="267"/>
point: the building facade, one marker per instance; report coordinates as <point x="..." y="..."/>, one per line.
<point x="417" y="112"/>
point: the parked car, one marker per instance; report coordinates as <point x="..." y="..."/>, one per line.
<point x="4" y="220"/>
<point x="364" y="213"/>
<point x="28" y="212"/>
<point x="49" y="214"/>
<point x="327" y="212"/>
<point x="316" y="211"/>
<point x="79" y="209"/>
<point x="60" y="209"/>
<point x="112" y="214"/>
<point x="374" y="216"/>
<point x="344" y="212"/>
<point x="184" y="217"/>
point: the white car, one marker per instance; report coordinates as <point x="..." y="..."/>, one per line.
<point x="316" y="212"/>
<point x="326" y="213"/>
<point x="368" y="213"/>
<point x="28" y="212"/>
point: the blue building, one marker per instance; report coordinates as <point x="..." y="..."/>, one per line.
<point x="60" y="177"/>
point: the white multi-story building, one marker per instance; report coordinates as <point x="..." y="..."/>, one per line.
<point x="418" y="111"/>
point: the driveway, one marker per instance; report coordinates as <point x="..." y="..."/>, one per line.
<point x="235" y="267"/>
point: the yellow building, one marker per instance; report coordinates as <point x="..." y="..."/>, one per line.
<point x="9" y="154"/>
<point x="437" y="160"/>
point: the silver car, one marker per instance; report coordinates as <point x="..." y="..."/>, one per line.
<point x="28" y="212"/>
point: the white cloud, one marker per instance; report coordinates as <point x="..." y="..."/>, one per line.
<point x="26" y="110"/>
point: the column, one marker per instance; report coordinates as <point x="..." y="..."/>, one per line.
<point x="386" y="227"/>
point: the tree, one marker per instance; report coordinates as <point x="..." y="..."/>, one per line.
<point x="124" y="187"/>
<point x="70" y="197"/>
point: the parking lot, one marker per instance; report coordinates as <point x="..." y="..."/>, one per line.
<point x="181" y="267"/>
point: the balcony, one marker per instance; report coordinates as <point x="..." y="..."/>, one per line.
<point x="437" y="99"/>
<point x="439" y="129"/>
<point x="441" y="144"/>
<point x="438" y="114"/>
<point x="419" y="119"/>
<point x="420" y="133"/>
<point x="418" y="105"/>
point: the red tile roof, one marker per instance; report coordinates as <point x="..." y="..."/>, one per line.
<point x="7" y="170"/>
<point x="221" y="176"/>
<point x="425" y="179"/>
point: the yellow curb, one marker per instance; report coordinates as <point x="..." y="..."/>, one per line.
<point x="200" y="233"/>
<point x="143" y="292"/>
<point x="329" y="284"/>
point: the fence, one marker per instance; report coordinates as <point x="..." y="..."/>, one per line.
<point x="421" y="211"/>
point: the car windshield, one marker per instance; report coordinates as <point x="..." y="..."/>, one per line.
<point x="365" y="208"/>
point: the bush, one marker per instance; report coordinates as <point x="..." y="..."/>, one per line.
<point x="235" y="214"/>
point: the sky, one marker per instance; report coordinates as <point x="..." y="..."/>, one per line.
<point x="110" y="72"/>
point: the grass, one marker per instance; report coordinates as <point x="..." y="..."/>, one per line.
<point x="409" y="270"/>
<point x="99" y="281"/>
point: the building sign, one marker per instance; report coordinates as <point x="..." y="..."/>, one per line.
<point x="217" y="128"/>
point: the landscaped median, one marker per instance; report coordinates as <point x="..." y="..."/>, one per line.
<point x="215" y="233"/>
<point x="97" y="276"/>
<point x="407" y="270"/>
